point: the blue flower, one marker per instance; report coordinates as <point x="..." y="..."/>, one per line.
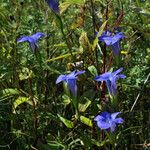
<point x="70" y="79"/>
<point x="54" y="5"/>
<point x="108" y="121"/>
<point x="32" y="40"/>
<point x="112" y="40"/>
<point x="110" y="79"/>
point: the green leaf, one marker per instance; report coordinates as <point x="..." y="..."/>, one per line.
<point x="78" y="2"/>
<point x="19" y="101"/>
<point x="62" y="56"/>
<point x="66" y="99"/>
<point x="83" y="107"/>
<point x="8" y="92"/>
<point x="84" y="42"/>
<point x="93" y="70"/>
<point x="25" y="74"/>
<point x="68" y="123"/>
<point x="99" y="34"/>
<point x="86" y="121"/>
<point x="64" y="6"/>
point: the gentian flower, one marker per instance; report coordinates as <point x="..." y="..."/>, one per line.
<point x="112" y="40"/>
<point x="32" y="40"/>
<point x="108" y="121"/>
<point x="54" y="5"/>
<point x="110" y="79"/>
<point x="70" y="79"/>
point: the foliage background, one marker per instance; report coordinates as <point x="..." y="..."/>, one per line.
<point x="33" y="109"/>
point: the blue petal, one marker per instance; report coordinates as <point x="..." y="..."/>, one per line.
<point x="116" y="48"/>
<point x="71" y="75"/>
<point x="33" y="46"/>
<point x="113" y="86"/>
<point x="54" y="5"/>
<point x="103" y="77"/>
<point x="105" y="115"/>
<point x="108" y="33"/>
<point x="60" y="78"/>
<point x="117" y="37"/>
<point x="107" y="40"/>
<point x="98" y="118"/>
<point x="37" y="35"/>
<point x="104" y="34"/>
<point x="117" y="71"/>
<point x="121" y="76"/>
<point x="119" y="120"/>
<point x="23" y="39"/>
<point x="108" y="83"/>
<point x="103" y="125"/>
<point x="113" y="90"/>
<point x="79" y="72"/>
<point x="72" y="86"/>
<point x="114" y="115"/>
<point x="112" y="126"/>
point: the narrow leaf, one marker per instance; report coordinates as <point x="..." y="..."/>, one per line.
<point x="62" y="56"/>
<point x="8" y="92"/>
<point x="19" y="101"/>
<point x="83" y="107"/>
<point x="68" y="123"/>
<point x="86" y="121"/>
<point x="93" y="70"/>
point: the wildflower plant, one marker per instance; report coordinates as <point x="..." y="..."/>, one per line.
<point x="73" y="40"/>
<point x="70" y="80"/>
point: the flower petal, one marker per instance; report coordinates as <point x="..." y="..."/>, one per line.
<point x="114" y="115"/>
<point x="119" y="120"/>
<point x="33" y="46"/>
<point x="60" y="78"/>
<point x="103" y="125"/>
<point x="103" y="77"/>
<point x="112" y="126"/>
<point x="117" y="37"/>
<point x="54" y="5"/>
<point x="71" y="75"/>
<point x="108" y="83"/>
<point x="105" y="115"/>
<point x="116" y="48"/>
<point x="113" y="86"/>
<point x="98" y="118"/>
<point x="23" y="39"/>
<point x="72" y="86"/>
<point x="121" y="76"/>
<point x="117" y="71"/>
<point x="79" y="72"/>
<point x="37" y="35"/>
<point x="107" y="40"/>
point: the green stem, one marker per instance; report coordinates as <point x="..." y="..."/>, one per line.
<point x="75" y="103"/>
